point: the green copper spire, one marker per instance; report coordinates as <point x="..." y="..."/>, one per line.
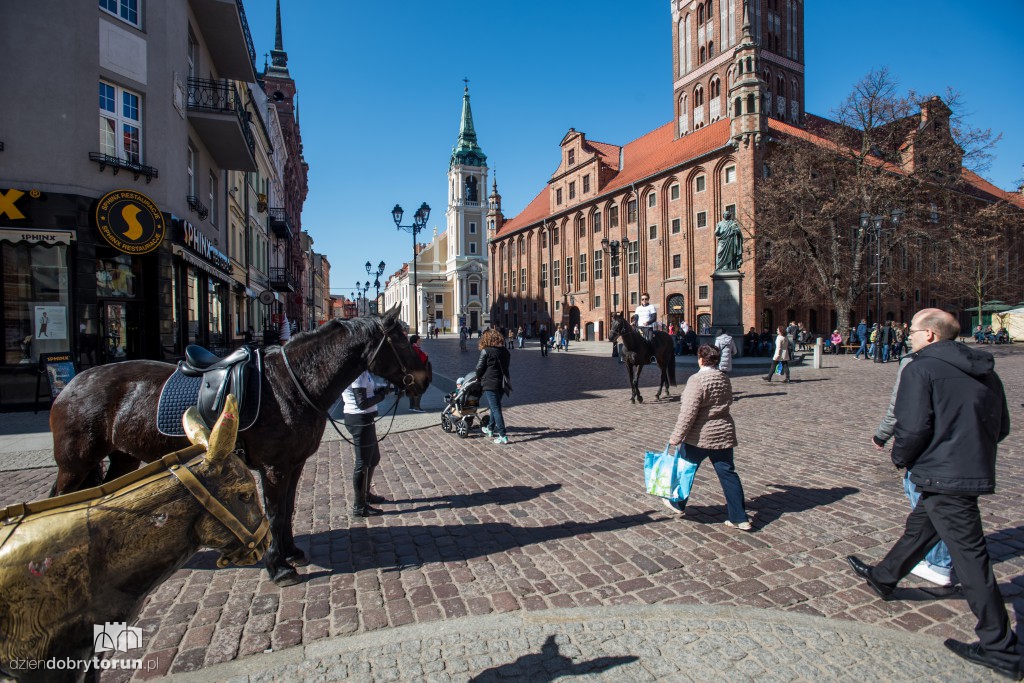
<point x="466" y="150"/>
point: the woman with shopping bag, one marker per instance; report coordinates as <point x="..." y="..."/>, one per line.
<point x="705" y="429"/>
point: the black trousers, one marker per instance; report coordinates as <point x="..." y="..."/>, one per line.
<point x="957" y="521"/>
<point x="367" y="452"/>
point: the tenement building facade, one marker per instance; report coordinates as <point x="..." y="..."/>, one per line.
<point x="149" y="187"/>
<point x="614" y="221"/>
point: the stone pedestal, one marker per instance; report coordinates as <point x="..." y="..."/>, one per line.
<point x="727" y="304"/>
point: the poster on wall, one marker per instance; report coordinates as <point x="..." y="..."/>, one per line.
<point x="59" y="368"/>
<point x="51" y="322"/>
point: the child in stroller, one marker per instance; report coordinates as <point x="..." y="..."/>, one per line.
<point x="464" y="406"/>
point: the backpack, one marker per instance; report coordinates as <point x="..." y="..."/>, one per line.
<point x="874" y="336"/>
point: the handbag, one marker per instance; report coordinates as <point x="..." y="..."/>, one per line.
<point x="778" y="368"/>
<point x="506" y="383"/>
<point x="669" y="474"/>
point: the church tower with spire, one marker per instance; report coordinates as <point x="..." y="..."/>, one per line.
<point x="281" y="90"/>
<point x="467" y="217"/>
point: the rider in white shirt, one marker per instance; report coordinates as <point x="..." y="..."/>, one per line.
<point x="646" y="314"/>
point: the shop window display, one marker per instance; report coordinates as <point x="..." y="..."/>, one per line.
<point x="35" y="301"/>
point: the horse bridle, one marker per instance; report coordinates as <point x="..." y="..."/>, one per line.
<point x="250" y="540"/>
<point x="407" y="380"/>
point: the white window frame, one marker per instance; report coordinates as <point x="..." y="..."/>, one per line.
<point x="191" y="162"/>
<point x="730" y="175"/>
<point x="700" y="184"/>
<point x="472" y="228"/>
<point x="124" y="11"/>
<point x="121" y="119"/>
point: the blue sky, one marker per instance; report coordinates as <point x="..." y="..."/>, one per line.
<point x="380" y="91"/>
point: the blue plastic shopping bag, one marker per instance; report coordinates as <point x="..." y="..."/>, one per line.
<point x="668" y="474"/>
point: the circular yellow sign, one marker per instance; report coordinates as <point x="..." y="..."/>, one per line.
<point x="130" y="222"/>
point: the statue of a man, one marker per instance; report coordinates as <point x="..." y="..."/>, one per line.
<point x="730" y="244"/>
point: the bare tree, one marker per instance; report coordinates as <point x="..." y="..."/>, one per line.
<point x="883" y="155"/>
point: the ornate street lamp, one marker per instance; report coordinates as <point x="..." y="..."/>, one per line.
<point x="419" y="221"/>
<point x="376" y="278"/>
<point x="875" y="224"/>
<point x="361" y="292"/>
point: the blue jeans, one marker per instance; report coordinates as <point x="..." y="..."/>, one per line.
<point x="861" y="349"/>
<point x="493" y="399"/>
<point x="938" y="557"/>
<point x="885" y="353"/>
<point x="727" y="477"/>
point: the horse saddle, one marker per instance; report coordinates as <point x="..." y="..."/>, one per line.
<point x="204" y="380"/>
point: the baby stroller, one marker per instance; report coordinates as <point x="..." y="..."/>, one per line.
<point x="464" y="406"/>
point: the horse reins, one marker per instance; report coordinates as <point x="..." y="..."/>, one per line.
<point x="407" y="380"/>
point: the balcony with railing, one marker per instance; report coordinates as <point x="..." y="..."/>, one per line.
<point x="215" y="110"/>
<point x="283" y="280"/>
<point x="226" y="32"/>
<point x="280" y="224"/>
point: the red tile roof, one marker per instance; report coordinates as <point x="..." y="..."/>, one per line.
<point x="648" y="155"/>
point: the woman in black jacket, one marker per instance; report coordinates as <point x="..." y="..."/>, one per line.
<point x="491" y="369"/>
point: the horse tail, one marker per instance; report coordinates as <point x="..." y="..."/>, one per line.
<point x="672" y="368"/>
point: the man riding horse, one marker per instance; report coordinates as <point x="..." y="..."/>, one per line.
<point x="646" y="314"/>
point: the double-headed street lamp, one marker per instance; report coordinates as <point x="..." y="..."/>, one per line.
<point x="419" y="221"/>
<point x="376" y="278"/>
<point x="612" y="249"/>
<point x="361" y="292"/>
<point x="874" y="223"/>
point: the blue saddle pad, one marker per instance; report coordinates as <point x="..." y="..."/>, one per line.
<point x="181" y="391"/>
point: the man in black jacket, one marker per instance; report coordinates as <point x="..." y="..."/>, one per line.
<point x="950" y="413"/>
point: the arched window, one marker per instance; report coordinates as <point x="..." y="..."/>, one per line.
<point x="711" y="49"/>
<point x="715" y="98"/>
<point x="710" y="11"/>
<point x="751" y="104"/>
<point x="737" y="107"/>
<point x="684" y="121"/>
<point x="703" y="55"/>
<point x="700" y="15"/>
<point x="684" y="45"/>
<point x="688" y="52"/>
<point x="781" y="86"/>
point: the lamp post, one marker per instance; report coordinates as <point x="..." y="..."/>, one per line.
<point x="376" y="279"/>
<point x="612" y="249"/>
<point x="361" y="292"/>
<point x="419" y="221"/>
<point x="875" y="224"/>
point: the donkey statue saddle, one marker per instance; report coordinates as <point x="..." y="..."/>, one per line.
<point x="204" y="380"/>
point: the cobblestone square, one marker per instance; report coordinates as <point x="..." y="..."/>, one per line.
<point x="558" y="519"/>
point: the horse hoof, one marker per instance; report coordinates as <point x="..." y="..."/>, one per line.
<point x="299" y="559"/>
<point x="286" y="577"/>
<point x="639" y="399"/>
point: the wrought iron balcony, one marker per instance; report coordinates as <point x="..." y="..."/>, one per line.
<point x="117" y="163"/>
<point x="197" y="206"/>
<point x="226" y="32"/>
<point x="217" y="113"/>
<point x="280" y="223"/>
<point x="283" y="280"/>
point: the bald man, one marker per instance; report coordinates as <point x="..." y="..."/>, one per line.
<point x="950" y="413"/>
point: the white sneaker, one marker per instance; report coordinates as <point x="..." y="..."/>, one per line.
<point x="501" y="440"/>
<point x="742" y="526"/>
<point x="486" y="431"/>
<point x="924" y="571"/>
<point x="673" y="506"/>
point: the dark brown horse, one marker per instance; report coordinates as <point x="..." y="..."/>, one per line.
<point x="110" y="411"/>
<point x="638" y="352"/>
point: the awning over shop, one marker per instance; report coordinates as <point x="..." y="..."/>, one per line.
<point x="15" y="235"/>
<point x="199" y="263"/>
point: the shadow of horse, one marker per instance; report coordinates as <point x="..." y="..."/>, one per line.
<point x="547" y="665"/>
<point x="393" y="548"/>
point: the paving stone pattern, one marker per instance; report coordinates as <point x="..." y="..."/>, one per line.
<point x="558" y="518"/>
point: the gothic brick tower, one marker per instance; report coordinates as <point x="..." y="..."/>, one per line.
<point x="707" y="37"/>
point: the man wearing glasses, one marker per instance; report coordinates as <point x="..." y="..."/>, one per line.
<point x="950" y="413"/>
<point x="645" y="315"/>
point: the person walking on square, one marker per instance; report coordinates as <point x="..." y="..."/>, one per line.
<point x="707" y="429"/>
<point x="491" y="371"/>
<point x="951" y="413"/>
<point x="542" y="335"/>
<point x="727" y="348"/>
<point x="862" y="338"/>
<point x="565" y="337"/>
<point x="937" y="566"/>
<point x="885" y="339"/>
<point x="361" y="399"/>
<point x="557" y="343"/>
<point x="781" y="355"/>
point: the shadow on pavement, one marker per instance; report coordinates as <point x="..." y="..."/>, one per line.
<point x="768" y="508"/>
<point x="393" y="548"/>
<point x="539" y="433"/>
<point x="548" y="665"/>
<point x="740" y="395"/>
<point x="502" y="495"/>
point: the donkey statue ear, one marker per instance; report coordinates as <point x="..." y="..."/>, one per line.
<point x="222" y="438"/>
<point x="196" y="430"/>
